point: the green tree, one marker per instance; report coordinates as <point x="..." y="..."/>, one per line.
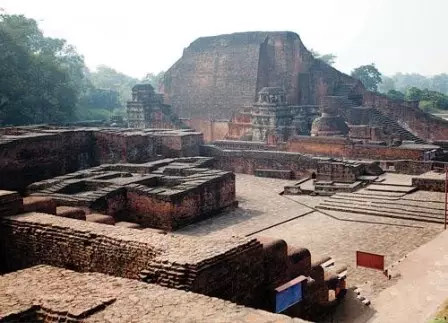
<point x="439" y="83"/>
<point x="41" y="77"/>
<point x="330" y="59"/>
<point x="395" y="95"/>
<point x="109" y="79"/>
<point x="428" y="100"/>
<point x="368" y="75"/>
<point x="414" y="94"/>
<point x="155" y="80"/>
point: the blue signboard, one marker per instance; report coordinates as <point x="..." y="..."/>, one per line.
<point x="288" y="297"/>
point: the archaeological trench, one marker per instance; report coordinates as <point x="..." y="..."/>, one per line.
<point x="181" y="215"/>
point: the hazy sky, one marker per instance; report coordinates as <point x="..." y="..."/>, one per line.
<point x="140" y="36"/>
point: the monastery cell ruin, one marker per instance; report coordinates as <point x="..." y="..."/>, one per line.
<point x="242" y="190"/>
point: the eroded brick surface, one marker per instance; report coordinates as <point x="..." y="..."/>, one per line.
<point x="30" y="154"/>
<point x="50" y="293"/>
<point x="166" y="194"/>
<point x="229" y="268"/>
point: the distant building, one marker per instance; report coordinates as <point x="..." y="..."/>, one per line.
<point x="147" y="110"/>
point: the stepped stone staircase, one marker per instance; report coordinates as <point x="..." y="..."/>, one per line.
<point x="391" y="202"/>
<point x="377" y="118"/>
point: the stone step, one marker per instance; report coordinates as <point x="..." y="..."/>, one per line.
<point x="382" y="119"/>
<point x="391" y="188"/>
<point x="416" y="204"/>
<point x="395" y="215"/>
<point x="392" y="207"/>
<point x="372" y="196"/>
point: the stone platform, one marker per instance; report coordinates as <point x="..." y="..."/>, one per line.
<point x="229" y="268"/>
<point x="165" y="194"/>
<point x="44" y="293"/>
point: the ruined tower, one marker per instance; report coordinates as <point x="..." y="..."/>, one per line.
<point x="270" y="115"/>
<point x="217" y="75"/>
<point x="147" y="110"/>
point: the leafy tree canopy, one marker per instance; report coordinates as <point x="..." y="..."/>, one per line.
<point x="368" y="75"/>
<point x="108" y="78"/>
<point x="396" y="95"/>
<point x="327" y="58"/>
<point x="154" y="79"/>
<point x="402" y="82"/>
<point x="41" y="77"/>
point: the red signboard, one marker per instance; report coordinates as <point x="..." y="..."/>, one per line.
<point x="369" y="260"/>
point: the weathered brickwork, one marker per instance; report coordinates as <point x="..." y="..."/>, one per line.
<point x="240" y="124"/>
<point x="10" y="203"/>
<point x="218" y="75"/>
<point x="420" y="123"/>
<point x="211" y="129"/>
<point x="225" y="268"/>
<point x="339" y="171"/>
<point x="45" y="293"/>
<point x="287" y="165"/>
<point x="117" y="147"/>
<point x="248" y="161"/>
<point x="178" y="144"/>
<point x="29" y="154"/>
<point x="146" y="110"/>
<point x="165" y="194"/>
<point x="430" y="181"/>
<point x="412" y="167"/>
<point x="366" y="133"/>
<point x="345" y="148"/>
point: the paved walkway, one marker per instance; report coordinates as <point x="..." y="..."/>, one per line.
<point x="339" y="235"/>
<point x="422" y="288"/>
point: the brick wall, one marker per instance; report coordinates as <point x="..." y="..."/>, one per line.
<point x="247" y="161"/>
<point x="429" y="184"/>
<point x="339" y="172"/>
<point x="32" y="157"/>
<point x="170" y="210"/>
<point x="114" y="147"/>
<point x="409" y="116"/>
<point x="171" y="144"/>
<point x="212" y="130"/>
<point x="344" y="148"/>
<point x="214" y="76"/>
<point x="226" y="268"/>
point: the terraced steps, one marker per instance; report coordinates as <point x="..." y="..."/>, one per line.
<point x="392" y="207"/>
<point x="379" y="118"/>
<point x="378" y="194"/>
<point x="380" y="213"/>
<point x="416" y="204"/>
<point x="391" y="188"/>
<point x="411" y="209"/>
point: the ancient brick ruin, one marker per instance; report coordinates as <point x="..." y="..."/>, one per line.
<point x="147" y="110"/>
<point x="30" y="154"/>
<point x="113" y="219"/>
<point x="164" y="194"/>
<point x="256" y="169"/>
<point x="219" y="77"/>
<point x="44" y="293"/>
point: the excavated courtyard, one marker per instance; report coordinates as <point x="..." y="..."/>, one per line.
<point x="263" y="212"/>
